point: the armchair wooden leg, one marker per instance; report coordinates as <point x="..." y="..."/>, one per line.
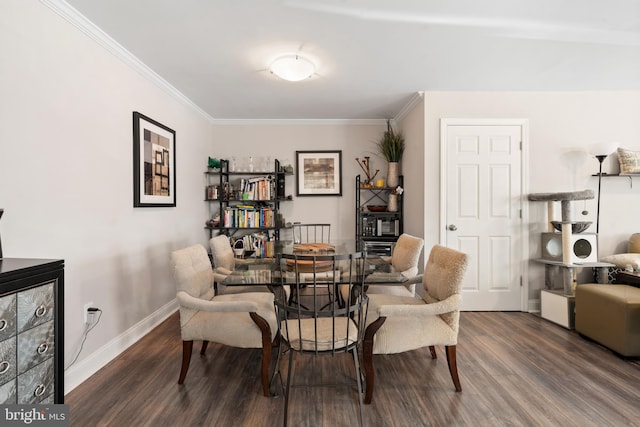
<point x="367" y="351"/>
<point x="453" y="367"/>
<point x="187" y="347"/>
<point x="432" y="349"/>
<point x="204" y="347"/>
<point x="266" y="351"/>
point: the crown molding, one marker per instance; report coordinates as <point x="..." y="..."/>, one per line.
<point x="293" y="122"/>
<point x="415" y="99"/>
<point x="66" y="11"/>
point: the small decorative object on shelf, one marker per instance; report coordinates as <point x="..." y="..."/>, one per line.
<point x="366" y="167"/>
<point x="391" y="146"/>
<point x="393" y="203"/>
<point x="213" y="163"/>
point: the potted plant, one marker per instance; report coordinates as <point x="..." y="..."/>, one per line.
<point x="391" y="146"/>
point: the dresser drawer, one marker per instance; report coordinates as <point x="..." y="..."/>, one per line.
<point x="36" y="384"/>
<point x="35" y="345"/>
<point x="35" y="306"/>
<point x="8" y="367"/>
<point x="7" y="316"/>
<point x="8" y="394"/>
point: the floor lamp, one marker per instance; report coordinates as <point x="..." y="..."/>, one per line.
<point x="600" y="158"/>
<point x="598" y="150"/>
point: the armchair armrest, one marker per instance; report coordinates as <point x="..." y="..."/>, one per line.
<point x="186" y="300"/>
<point x="222" y="270"/>
<point x="413" y="279"/>
<point x="422" y="310"/>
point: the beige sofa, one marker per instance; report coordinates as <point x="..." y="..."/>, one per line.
<point x="610" y="315"/>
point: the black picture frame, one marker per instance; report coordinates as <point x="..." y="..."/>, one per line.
<point x="154" y="163"/>
<point x="319" y="173"/>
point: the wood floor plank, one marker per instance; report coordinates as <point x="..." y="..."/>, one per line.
<point x="516" y="369"/>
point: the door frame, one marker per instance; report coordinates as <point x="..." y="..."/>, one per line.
<point x="524" y="189"/>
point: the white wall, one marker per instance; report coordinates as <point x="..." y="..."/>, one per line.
<point x="66" y="173"/>
<point x="560" y="122"/>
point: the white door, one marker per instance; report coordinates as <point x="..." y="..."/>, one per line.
<point x="482" y="198"/>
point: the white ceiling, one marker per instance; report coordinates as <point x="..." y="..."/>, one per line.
<point x="373" y="56"/>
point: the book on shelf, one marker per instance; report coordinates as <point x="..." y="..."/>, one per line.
<point x="246" y="216"/>
<point x="258" y="188"/>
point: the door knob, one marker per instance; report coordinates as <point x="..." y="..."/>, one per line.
<point x="452" y="227"/>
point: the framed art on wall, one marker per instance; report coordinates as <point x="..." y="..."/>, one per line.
<point x="319" y="173"/>
<point x="154" y="163"/>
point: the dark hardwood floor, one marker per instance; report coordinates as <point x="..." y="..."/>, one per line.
<point x="516" y="369"/>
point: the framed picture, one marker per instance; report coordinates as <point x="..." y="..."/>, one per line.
<point x="154" y="163"/>
<point x="319" y="173"/>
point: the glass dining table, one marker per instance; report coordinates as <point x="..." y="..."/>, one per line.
<point x="256" y="271"/>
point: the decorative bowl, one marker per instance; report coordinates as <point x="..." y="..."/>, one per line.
<point x="576" y="227"/>
<point x="377" y="208"/>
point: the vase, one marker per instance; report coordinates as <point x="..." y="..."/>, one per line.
<point x="392" y="205"/>
<point x="392" y="174"/>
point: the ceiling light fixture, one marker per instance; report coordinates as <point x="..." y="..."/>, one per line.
<point x="293" y="67"/>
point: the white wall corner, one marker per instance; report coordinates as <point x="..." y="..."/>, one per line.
<point x="80" y="372"/>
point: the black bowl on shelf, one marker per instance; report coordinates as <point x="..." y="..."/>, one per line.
<point x="576" y="226"/>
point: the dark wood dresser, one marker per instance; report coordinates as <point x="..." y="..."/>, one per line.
<point x="31" y="331"/>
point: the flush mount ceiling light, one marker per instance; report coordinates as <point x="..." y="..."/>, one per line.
<point x="293" y="67"/>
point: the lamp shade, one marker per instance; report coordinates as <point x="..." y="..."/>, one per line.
<point x="293" y="67"/>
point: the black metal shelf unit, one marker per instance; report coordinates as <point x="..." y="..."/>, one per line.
<point x="246" y="201"/>
<point x="377" y="229"/>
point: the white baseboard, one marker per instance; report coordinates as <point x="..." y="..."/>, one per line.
<point x="80" y="372"/>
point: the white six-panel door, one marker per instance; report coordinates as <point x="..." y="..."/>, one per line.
<point x="482" y="209"/>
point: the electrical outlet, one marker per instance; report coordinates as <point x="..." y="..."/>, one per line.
<point x="85" y="312"/>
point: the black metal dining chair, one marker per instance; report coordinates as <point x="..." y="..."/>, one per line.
<point x="314" y="326"/>
<point x="311" y="233"/>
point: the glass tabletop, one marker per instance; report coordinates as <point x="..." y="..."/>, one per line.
<point x="265" y="271"/>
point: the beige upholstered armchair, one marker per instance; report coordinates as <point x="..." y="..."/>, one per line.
<point x="405" y="257"/>
<point x="246" y="320"/>
<point x="224" y="262"/>
<point x="396" y="324"/>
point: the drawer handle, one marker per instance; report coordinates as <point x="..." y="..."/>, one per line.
<point x="3" y="324"/>
<point x="39" y="391"/>
<point x="4" y="366"/>
<point x="41" y="311"/>
<point x="42" y="348"/>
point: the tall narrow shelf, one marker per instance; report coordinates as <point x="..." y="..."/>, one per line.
<point x="377" y="229"/>
<point x="246" y="200"/>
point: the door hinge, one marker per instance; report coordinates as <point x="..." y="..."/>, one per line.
<point x="520" y="213"/>
<point x="520" y="145"/>
<point x="521" y="282"/>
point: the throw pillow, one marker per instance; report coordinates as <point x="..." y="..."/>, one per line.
<point x="629" y="161"/>
<point x="624" y="260"/>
